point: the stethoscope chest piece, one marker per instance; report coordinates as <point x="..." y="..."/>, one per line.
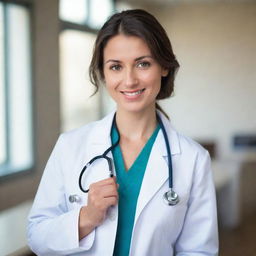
<point x="171" y="197"/>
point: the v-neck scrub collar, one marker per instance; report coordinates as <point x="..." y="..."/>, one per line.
<point x="129" y="187"/>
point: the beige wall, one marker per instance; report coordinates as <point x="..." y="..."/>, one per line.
<point x="46" y="99"/>
<point x="215" y="95"/>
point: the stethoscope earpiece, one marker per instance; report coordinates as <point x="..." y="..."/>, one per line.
<point x="171" y="197"/>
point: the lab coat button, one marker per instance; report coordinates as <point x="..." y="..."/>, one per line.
<point x="74" y="199"/>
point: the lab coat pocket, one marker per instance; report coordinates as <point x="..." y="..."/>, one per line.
<point x="166" y="221"/>
<point x="175" y="215"/>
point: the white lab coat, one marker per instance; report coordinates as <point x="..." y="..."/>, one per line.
<point x="186" y="229"/>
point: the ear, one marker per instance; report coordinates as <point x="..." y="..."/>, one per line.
<point x="165" y="72"/>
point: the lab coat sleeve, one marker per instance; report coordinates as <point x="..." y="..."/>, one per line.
<point x="199" y="235"/>
<point x="52" y="229"/>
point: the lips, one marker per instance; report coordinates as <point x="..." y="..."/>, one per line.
<point x="133" y="93"/>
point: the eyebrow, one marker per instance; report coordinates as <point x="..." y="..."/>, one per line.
<point x="137" y="59"/>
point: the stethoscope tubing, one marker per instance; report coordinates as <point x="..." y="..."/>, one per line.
<point x="168" y="152"/>
<point x="104" y="156"/>
<point x="170" y="197"/>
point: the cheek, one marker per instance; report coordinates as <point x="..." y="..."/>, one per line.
<point x="110" y="81"/>
<point x="152" y="80"/>
<point x="111" y="84"/>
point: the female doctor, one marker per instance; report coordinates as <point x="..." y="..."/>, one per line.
<point x="129" y="212"/>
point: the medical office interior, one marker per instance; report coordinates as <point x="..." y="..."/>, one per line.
<point x="45" y="49"/>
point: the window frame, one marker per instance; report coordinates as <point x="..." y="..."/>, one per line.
<point x="13" y="173"/>
<point x="85" y="27"/>
<point x="68" y="25"/>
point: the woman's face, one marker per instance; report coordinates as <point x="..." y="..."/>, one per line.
<point x="132" y="75"/>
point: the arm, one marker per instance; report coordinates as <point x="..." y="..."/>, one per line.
<point x="52" y="229"/>
<point x="199" y="236"/>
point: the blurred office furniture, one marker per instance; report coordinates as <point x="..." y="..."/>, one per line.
<point x="236" y="191"/>
<point x="248" y="189"/>
<point x="13" y="230"/>
<point x="226" y="176"/>
<point x="240" y="240"/>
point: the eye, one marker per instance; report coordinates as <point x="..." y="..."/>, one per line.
<point x="143" y="64"/>
<point x="115" y="67"/>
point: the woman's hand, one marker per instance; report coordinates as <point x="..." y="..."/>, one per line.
<point x="101" y="196"/>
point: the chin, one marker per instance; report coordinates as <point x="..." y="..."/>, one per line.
<point x="136" y="108"/>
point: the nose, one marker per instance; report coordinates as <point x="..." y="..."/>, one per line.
<point x="130" y="78"/>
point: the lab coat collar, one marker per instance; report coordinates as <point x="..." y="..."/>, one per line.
<point x="99" y="139"/>
<point x="172" y="137"/>
<point x="101" y="135"/>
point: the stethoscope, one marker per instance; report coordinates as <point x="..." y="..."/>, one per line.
<point x="170" y="197"/>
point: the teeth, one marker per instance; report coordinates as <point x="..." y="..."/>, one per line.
<point x="133" y="93"/>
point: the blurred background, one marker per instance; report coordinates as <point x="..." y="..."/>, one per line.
<point x="45" y="50"/>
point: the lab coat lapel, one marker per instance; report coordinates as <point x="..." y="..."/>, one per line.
<point x="157" y="172"/>
<point x="99" y="141"/>
<point x="100" y="137"/>
<point x="155" y="176"/>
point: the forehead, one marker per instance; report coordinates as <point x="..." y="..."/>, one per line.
<point x="122" y="47"/>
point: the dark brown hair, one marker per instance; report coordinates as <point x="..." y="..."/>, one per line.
<point x="145" y="26"/>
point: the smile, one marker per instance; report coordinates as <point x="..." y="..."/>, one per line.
<point x="133" y="93"/>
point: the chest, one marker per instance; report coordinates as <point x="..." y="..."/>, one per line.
<point x="130" y="151"/>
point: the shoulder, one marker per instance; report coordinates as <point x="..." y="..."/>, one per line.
<point x="193" y="152"/>
<point x="79" y="133"/>
<point x="182" y="144"/>
<point x="92" y="131"/>
<point x="192" y="156"/>
<point x="187" y="143"/>
<point x="76" y="136"/>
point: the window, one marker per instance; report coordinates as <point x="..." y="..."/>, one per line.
<point x="15" y="89"/>
<point x="77" y="107"/>
<point x="80" y="20"/>
<point x="92" y="13"/>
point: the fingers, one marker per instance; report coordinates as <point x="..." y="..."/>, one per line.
<point x="107" y="191"/>
<point x="104" y="189"/>
<point x="108" y="181"/>
<point x="110" y="201"/>
<point x="103" y="194"/>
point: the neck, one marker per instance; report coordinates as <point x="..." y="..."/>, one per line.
<point x="136" y="125"/>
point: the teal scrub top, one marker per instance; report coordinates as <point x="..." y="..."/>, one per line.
<point x="129" y="187"/>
